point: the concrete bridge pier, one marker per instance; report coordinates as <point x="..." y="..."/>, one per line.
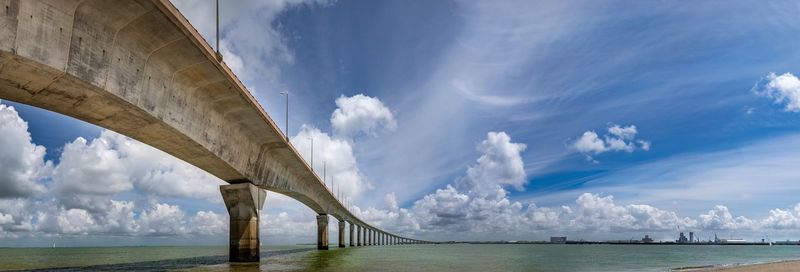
<point x="341" y="233"/>
<point x="371" y="236"/>
<point x="244" y="202"/>
<point x="352" y="238"/>
<point x="322" y="232"/>
<point x="359" y="238"/>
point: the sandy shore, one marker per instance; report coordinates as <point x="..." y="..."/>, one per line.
<point x="784" y="266"/>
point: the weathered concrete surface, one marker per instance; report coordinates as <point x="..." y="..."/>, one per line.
<point x="341" y="233"/>
<point x="322" y="232"/>
<point x="352" y="232"/>
<point x="244" y="202"/>
<point x="359" y="235"/>
<point x="139" y="68"/>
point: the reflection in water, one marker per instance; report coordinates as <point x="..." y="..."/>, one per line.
<point x="205" y="263"/>
<point x="147" y="266"/>
<point x="457" y="257"/>
<point x="325" y="259"/>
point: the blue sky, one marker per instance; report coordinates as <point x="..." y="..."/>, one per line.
<point x="713" y="127"/>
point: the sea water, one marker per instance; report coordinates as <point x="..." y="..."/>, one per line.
<point x="449" y="257"/>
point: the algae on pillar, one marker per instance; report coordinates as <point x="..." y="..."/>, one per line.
<point x="371" y="237"/>
<point x="341" y="233"/>
<point x="322" y="232"/>
<point x="352" y="238"/>
<point x="359" y="241"/>
<point x="244" y="202"/>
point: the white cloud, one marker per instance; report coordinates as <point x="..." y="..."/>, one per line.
<point x="6" y="219"/>
<point x="783" y="219"/>
<point x="163" y="219"/>
<point x="297" y="225"/>
<point x="478" y="201"/>
<point x="361" y="114"/>
<point x="783" y="89"/>
<point x="720" y="218"/>
<point x="617" y="138"/>
<point x="209" y="223"/>
<point x="89" y="173"/>
<point x="500" y="162"/>
<point x="333" y="157"/>
<point x="21" y="162"/>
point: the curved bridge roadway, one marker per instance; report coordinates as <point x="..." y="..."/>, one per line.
<point x="139" y="68"/>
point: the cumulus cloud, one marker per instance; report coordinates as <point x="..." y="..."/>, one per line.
<point x="91" y="172"/>
<point x="333" y="157"/>
<point x="479" y="197"/>
<point x="500" y="162"/>
<point x="617" y="138"/>
<point x="720" y="218"/>
<point x="163" y="219"/>
<point x="360" y="114"/>
<point x="782" y="89"/>
<point x="22" y="163"/>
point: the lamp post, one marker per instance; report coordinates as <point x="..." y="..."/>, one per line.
<point x="286" y="132"/>
<point x="312" y="153"/>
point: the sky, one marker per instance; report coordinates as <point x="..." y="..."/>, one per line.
<point x="459" y="120"/>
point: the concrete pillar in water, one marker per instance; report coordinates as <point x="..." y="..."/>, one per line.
<point x="359" y="241"/>
<point x="322" y="232"/>
<point x="352" y="232"/>
<point x="244" y="202"/>
<point x="371" y="237"/>
<point x="341" y="233"/>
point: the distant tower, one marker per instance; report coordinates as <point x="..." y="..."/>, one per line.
<point x="682" y="239"/>
<point x="691" y="237"/>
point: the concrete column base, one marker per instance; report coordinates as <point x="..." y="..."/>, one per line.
<point x="322" y="232"/>
<point x="359" y="236"/>
<point x="341" y="233"/>
<point x="352" y="238"/>
<point x="244" y="202"/>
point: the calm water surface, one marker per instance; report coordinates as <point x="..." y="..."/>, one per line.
<point x="397" y="258"/>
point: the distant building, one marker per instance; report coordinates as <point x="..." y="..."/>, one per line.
<point x="647" y="239"/>
<point x="558" y="239"/>
<point x="682" y="239"/>
<point x="691" y="237"/>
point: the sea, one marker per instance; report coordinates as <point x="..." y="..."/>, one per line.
<point x="441" y="257"/>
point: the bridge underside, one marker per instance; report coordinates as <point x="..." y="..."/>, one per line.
<point x="138" y="68"/>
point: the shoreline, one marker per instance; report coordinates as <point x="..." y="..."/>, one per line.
<point x="776" y="266"/>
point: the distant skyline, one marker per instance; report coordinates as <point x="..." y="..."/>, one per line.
<point x="460" y="120"/>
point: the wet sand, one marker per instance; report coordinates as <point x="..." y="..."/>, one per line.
<point x="784" y="266"/>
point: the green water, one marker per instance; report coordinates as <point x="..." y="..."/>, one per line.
<point x="398" y="258"/>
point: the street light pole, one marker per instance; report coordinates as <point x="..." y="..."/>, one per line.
<point x="312" y="153"/>
<point x="286" y="132"/>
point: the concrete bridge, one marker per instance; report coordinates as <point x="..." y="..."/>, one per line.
<point x="139" y="68"/>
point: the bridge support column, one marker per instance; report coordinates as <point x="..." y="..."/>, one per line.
<point x="370" y="233"/>
<point x="352" y="231"/>
<point x="359" y="240"/>
<point x="322" y="232"/>
<point x="341" y="233"/>
<point x="244" y="202"/>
